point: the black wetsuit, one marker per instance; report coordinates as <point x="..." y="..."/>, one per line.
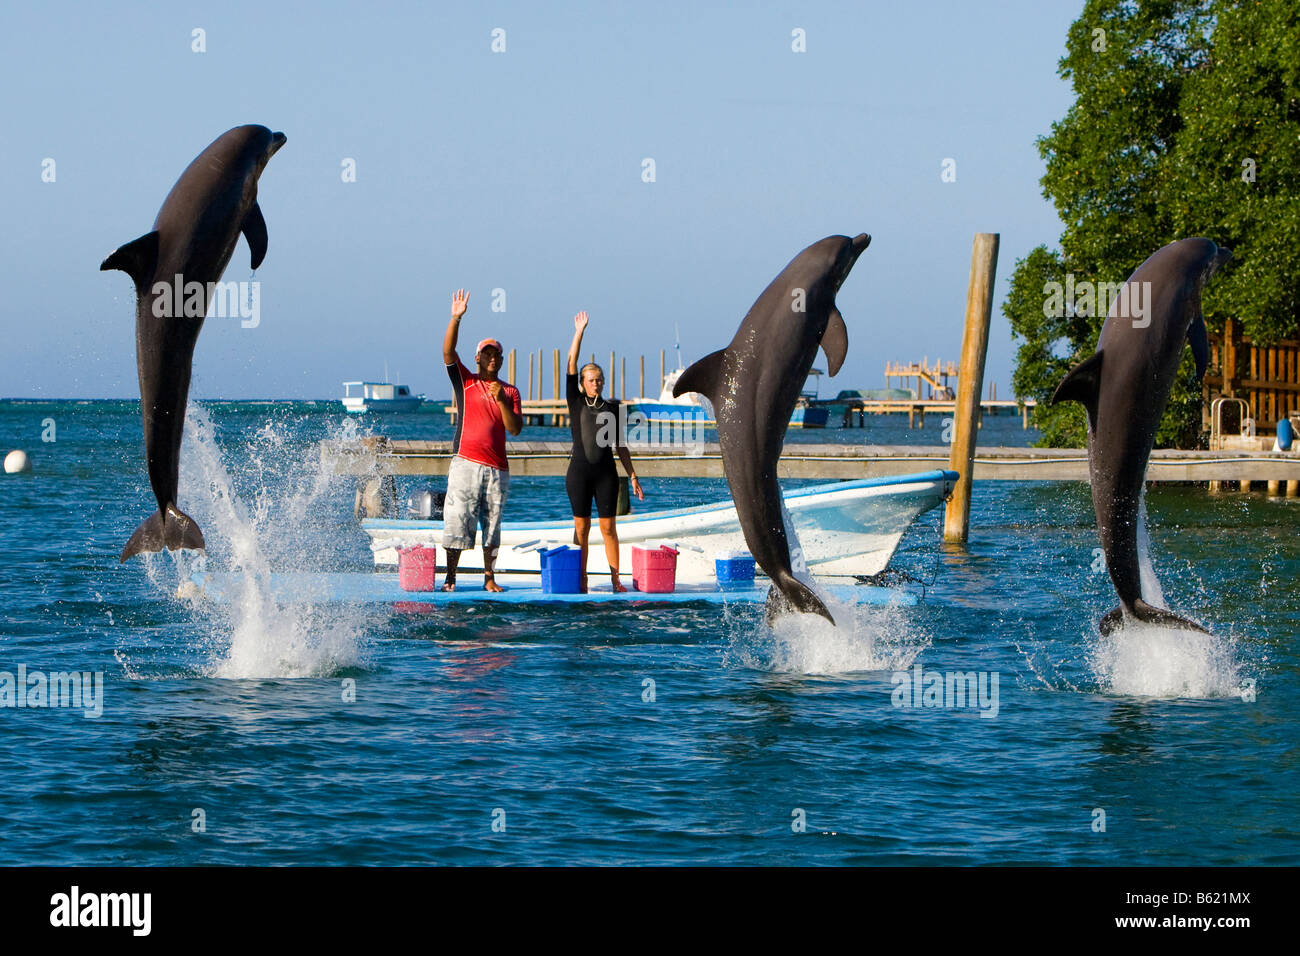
<point x="592" y="473"/>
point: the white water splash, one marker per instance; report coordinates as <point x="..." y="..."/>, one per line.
<point x="254" y="634"/>
<point x="865" y="637"/>
<point x="1148" y="660"/>
<point x="1144" y="660"/>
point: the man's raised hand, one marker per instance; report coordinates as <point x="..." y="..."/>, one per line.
<point x="580" y="322"/>
<point x="459" y="303"/>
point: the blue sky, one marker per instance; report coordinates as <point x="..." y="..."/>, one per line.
<point x="521" y="171"/>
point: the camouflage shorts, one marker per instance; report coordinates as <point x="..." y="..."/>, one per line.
<point x="475" y="495"/>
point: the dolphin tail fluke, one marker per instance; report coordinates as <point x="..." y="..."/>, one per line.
<point x="1158" y="615"/>
<point x="1112" y="622"/>
<point x="1148" y="614"/>
<point x="175" y="532"/>
<point x="794" y="595"/>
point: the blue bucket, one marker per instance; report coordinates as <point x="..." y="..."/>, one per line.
<point x="1285" y="434"/>
<point x="735" y="570"/>
<point x="561" y="570"/>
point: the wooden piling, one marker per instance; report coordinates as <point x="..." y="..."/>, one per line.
<point x="622" y="379"/>
<point x="662" y="374"/>
<point x="1274" y="487"/>
<point x="510" y="368"/>
<point x="970" y="381"/>
<point x="530" y="376"/>
<point x="641" y="391"/>
<point x="555" y="375"/>
<point x="1293" y="489"/>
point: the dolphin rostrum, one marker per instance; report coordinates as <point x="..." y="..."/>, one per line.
<point x="1124" y="386"/>
<point x="192" y="240"/>
<point x="754" y="384"/>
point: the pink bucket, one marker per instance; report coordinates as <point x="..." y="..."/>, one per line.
<point x="417" y="568"/>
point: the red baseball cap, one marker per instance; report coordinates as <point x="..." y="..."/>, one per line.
<point x="485" y="343"/>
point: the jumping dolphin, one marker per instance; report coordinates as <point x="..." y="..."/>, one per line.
<point x="754" y="384"/>
<point x="1124" y="386"/>
<point x="192" y="240"/>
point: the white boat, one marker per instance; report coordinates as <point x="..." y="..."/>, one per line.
<point x="847" y="529"/>
<point x="360" y="397"/>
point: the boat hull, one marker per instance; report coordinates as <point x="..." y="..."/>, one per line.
<point x="847" y="529"/>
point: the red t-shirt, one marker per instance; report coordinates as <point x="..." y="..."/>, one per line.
<point x="480" y="429"/>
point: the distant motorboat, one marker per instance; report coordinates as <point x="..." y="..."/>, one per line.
<point x="360" y="397"/>
<point x="691" y="407"/>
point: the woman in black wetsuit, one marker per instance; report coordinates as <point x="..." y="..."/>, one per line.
<point x="597" y="433"/>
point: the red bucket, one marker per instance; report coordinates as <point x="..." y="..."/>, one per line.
<point x="417" y="568"/>
<point x="654" y="569"/>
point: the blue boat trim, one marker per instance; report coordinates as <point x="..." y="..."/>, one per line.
<point x="923" y="477"/>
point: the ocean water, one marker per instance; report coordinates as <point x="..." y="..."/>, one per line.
<point x="259" y="733"/>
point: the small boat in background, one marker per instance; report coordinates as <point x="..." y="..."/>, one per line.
<point x="360" y="397"/>
<point x="691" y="407"/>
<point x="807" y="412"/>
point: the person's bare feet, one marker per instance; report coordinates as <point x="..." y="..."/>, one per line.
<point x="616" y="585"/>
<point x="449" y="584"/>
<point x="490" y="584"/>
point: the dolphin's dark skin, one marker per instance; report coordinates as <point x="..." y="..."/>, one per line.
<point x="1125" y="387"/>
<point x="193" y="237"/>
<point x="754" y="384"/>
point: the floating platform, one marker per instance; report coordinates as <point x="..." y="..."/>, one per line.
<point x="381" y="588"/>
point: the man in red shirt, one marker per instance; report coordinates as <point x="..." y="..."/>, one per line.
<point x="479" y="476"/>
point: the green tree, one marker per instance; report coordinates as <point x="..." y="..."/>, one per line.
<point x="1172" y="99"/>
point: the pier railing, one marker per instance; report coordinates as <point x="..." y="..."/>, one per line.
<point x="1266" y="377"/>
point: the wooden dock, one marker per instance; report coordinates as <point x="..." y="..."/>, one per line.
<point x="382" y="456"/>
<point x="555" y="412"/>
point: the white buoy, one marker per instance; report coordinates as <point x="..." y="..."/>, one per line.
<point x="17" y="461"/>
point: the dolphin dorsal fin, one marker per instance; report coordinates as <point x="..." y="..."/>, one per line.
<point x="138" y="258"/>
<point x="254" y="230"/>
<point x="702" y="377"/>
<point x="835" y="341"/>
<point x="1081" y="384"/>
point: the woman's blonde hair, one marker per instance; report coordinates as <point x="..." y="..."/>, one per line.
<point x="582" y="374"/>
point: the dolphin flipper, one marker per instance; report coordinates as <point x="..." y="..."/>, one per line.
<point x="702" y="377"/>
<point x="1148" y="614"/>
<point x="793" y="594"/>
<point x="835" y="341"/>
<point x="254" y="230"/>
<point x="176" y="532"/>
<point x="1198" y="339"/>
<point x="137" y="258"/>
